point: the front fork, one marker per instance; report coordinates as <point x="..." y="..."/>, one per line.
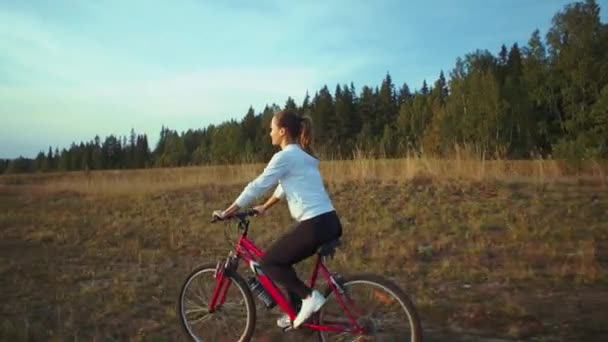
<point x="222" y="283"/>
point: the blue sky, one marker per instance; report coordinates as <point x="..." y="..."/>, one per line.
<point x="70" y="70"/>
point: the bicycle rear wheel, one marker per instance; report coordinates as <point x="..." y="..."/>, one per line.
<point x="234" y="320"/>
<point x="378" y="305"/>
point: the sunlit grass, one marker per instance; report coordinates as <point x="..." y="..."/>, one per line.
<point x="335" y="171"/>
<point x="482" y="245"/>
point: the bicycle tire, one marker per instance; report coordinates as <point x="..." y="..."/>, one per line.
<point x="387" y="285"/>
<point x="242" y="287"/>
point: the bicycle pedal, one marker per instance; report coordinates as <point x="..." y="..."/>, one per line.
<point x="289" y="328"/>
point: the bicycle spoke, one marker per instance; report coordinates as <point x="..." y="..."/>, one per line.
<point x="224" y="324"/>
<point x="200" y="320"/>
<point x="380" y="313"/>
<point x="232" y="307"/>
<point x="190" y="303"/>
<point x="229" y="320"/>
<point x="197" y="292"/>
<point x="199" y="309"/>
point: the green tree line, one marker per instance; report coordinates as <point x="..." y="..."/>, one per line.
<point x="549" y="97"/>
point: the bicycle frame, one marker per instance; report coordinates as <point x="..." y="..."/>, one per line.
<point x="249" y="253"/>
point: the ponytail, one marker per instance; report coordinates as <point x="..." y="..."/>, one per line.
<point x="305" y="138"/>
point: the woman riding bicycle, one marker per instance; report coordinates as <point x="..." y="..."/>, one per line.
<point x="295" y="173"/>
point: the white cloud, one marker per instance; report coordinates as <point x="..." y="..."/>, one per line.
<point x="59" y="115"/>
<point x="62" y="82"/>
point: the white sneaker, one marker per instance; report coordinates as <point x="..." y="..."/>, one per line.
<point x="310" y="305"/>
<point x="284" y="322"/>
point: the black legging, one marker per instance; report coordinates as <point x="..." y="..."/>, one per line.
<point x="298" y="244"/>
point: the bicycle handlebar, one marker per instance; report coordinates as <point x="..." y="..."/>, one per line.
<point x="241" y="216"/>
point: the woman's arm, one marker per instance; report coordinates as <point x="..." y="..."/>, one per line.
<point x="269" y="203"/>
<point x="275" y="169"/>
<point x="231" y="210"/>
<point x="276" y="197"/>
<point x="261" y="209"/>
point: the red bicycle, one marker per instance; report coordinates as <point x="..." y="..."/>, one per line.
<point x="216" y="303"/>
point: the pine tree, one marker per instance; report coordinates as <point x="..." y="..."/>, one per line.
<point x="250" y="125"/>
<point x="404" y="95"/>
<point x="97" y="155"/>
<point x="324" y="120"/>
<point x="441" y="88"/>
<point x="366" y="110"/>
<point x="347" y="122"/>
<point x="290" y="104"/>
<point x="50" y="160"/>
<point x="387" y="109"/>
<point x="305" y="109"/>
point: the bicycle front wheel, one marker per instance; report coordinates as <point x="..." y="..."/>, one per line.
<point x="377" y="304"/>
<point x="232" y="320"/>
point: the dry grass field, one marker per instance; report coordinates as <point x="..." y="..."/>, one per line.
<point x="487" y="250"/>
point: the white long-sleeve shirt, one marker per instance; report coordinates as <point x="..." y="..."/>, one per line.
<point x="296" y="176"/>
